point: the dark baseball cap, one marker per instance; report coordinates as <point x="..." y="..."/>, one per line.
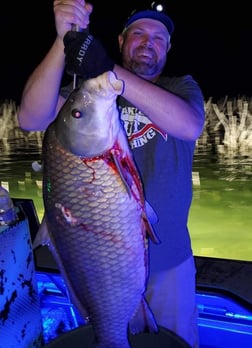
<point x="155" y="12"/>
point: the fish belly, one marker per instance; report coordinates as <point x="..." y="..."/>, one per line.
<point x="97" y="231"/>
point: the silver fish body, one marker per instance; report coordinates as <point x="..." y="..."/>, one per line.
<point x="95" y="212"/>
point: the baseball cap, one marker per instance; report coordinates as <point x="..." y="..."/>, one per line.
<point x="155" y="11"/>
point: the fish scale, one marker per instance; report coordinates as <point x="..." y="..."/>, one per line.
<point x="95" y="215"/>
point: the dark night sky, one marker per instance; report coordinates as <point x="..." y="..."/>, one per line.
<point x="212" y="44"/>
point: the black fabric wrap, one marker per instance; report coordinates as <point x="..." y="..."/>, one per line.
<point x="84" y="55"/>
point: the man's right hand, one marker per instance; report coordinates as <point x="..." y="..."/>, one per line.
<point x="71" y="14"/>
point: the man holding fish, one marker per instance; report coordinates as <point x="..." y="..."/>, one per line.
<point x="162" y="116"/>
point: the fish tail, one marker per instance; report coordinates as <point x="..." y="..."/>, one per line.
<point x="143" y="320"/>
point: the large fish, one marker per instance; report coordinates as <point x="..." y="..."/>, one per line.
<point x="95" y="213"/>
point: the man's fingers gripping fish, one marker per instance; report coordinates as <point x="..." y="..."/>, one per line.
<point x="95" y="213"/>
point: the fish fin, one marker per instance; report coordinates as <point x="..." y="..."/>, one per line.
<point x="69" y="289"/>
<point x="150" y="212"/>
<point x="143" y="319"/>
<point x="129" y="174"/>
<point x="149" y="229"/>
<point x="42" y="237"/>
<point x="123" y="175"/>
<point x="37" y="167"/>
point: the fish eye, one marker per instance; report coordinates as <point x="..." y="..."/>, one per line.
<point x="76" y="113"/>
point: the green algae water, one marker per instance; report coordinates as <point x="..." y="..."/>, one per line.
<point x="220" y="220"/>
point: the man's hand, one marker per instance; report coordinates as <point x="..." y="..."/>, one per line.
<point x="69" y="14"/>
<point x="84" y="55"/>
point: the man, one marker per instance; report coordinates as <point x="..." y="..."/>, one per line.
<point x="163" y="118"/>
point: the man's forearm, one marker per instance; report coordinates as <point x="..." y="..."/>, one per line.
<point x="38" y="105"/>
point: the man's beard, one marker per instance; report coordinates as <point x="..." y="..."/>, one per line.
<point x="147" y="65"/>
<point x="143" y="68"/>
<point x="144" y="62"/>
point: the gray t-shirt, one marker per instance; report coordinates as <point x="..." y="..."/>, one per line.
<point x="165" y="165"/>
